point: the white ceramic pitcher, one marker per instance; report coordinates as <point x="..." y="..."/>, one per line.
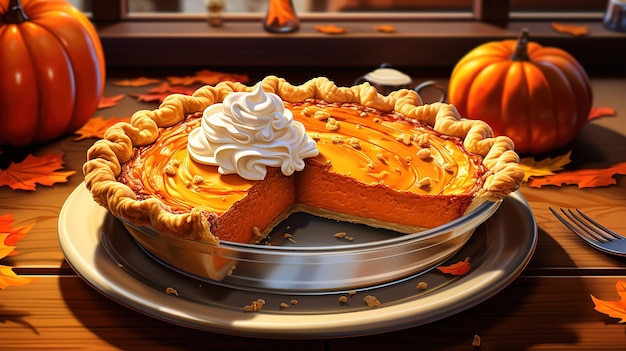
<point x="386" y="79"/>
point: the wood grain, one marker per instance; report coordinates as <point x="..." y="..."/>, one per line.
<point x="533" y="313"/>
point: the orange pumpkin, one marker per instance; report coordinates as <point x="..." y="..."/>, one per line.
<point x="52" y="70"/>
<point x="538" y="96"/>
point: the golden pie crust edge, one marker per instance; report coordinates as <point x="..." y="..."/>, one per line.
<point x="105" y="157"/>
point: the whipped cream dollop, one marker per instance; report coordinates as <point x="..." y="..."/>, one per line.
<point x="248" y="132"/>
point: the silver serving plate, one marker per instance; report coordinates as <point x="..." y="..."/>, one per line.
<point x="313" y="259"/>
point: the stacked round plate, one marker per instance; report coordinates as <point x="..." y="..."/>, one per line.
<point x="328" y="276"/>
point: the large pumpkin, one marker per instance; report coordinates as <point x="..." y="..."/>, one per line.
<point x="51" y="70"/>
<point x="538" y="96"/>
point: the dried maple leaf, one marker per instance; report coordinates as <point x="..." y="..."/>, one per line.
<point x="598" y="112"/>
<point x="13" y="235"/>
<point x="584" y="178"/>
<point x="571" y="29"/>
<point x="96" y="126"/>
<point x="385" y="28"/>
<point x="208" y="77"/>
<point x="9" y="236"/>
<point x="110" y="101"/>
<point x="136" y="82"/>
<point x="330" y="29"/>
<point x="159" y="93"/>
<point x="459" y="268"/>
<point x="615" y="309"/>
<point x="547" y="166"/>
<point x="34" y="169"/>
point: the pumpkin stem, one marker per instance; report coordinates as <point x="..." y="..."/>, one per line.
<point x="15" y="14"/>
<point x="521" y="47"/>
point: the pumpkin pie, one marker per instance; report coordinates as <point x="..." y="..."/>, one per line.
<point x="231" y="161"/>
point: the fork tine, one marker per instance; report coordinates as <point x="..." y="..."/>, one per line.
<point x="586" y="226"/>
<point x="605" y="229"/>
<point x="585" y="235"/>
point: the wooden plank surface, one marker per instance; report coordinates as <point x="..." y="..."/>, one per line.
<point x="533" y="313"/>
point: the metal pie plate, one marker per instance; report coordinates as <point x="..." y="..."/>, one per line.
<point x="311" y="258"/>
<point x="99" y="248"/>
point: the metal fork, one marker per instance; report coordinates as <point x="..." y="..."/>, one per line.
<point x="592" y="232"/>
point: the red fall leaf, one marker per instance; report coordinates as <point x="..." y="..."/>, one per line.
<point x="459" y="268"/>
<point x="14" y="234"/>
<point x="96" y="126"/>
<point x="136" y="82"/>
<point x="385" y="28"/>
<point x="615" y="309"/>
<point x="584" y="178"/>
<point x="330" y="29"/>
<point x="597" y="112"/>
<point x="571" y="29"/>
<point x="208" y="77"/>
<point x="110" y="101"/>
<point x="34" y="169"/>
<point x="158" y="93"/>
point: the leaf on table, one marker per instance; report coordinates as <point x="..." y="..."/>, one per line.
<point x="571" y="29"/>
<point x="615" y="309"/>
<point x="34" y="169"/>
<point x="136" y="82"/>
<point x="385" y="28"/>
<point x="330" y="29"/>
<point x="9" y="278"/>
<point x="159" y="93"/>
<point x="544" y="167"/>
<point x="110" y="101"/>
<point x="597" y="112"/>
<point x="12" y="235"/>
<point x="584" y="178"/>
<point x="459" y="268"/>
<point x="208" y="77"/>
<point x="96" y="126"/>
<point x="9" y="236"/>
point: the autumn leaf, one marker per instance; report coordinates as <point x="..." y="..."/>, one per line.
<point x="159" y="93"/>
<point x="9" y="278"/>
<point x="459" y="268"/>
<point x="136" y="82"/>
<point x="584" y="178"/>
<point x="385" y="28"/>
<point x="96" y="126"/>
<point x="570" y="29"/>
<point x="43" y="170"/>
<point x="13" y="234"/>
<point x="208" y="77"/>
<point x="9" y="236"/>
<point x="547" y="166"/>
<point x="330" y="29"/>
<point x="597" y="112"/>
<point x="615" y="309"/>
<point x="110" y="101"/>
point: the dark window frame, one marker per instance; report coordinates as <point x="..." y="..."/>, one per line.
<point x="185" y="40"/>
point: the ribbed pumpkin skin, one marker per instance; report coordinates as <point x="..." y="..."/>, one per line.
<point x="541" y="102"/>
<point x="52" y="72"/>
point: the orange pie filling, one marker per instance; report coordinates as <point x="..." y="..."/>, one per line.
<point x="383" y="161"/>
<point x="363" y="155"/>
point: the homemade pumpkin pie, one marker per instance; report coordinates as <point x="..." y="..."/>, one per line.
<point x="231" y="161"/>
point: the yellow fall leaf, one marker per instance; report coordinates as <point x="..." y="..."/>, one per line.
<point x="545" y="167"/>
<point x="9" y="235"/>
<point x="9" y="278"/>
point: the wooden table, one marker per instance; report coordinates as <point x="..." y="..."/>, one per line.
<point x="548" y="307"/>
